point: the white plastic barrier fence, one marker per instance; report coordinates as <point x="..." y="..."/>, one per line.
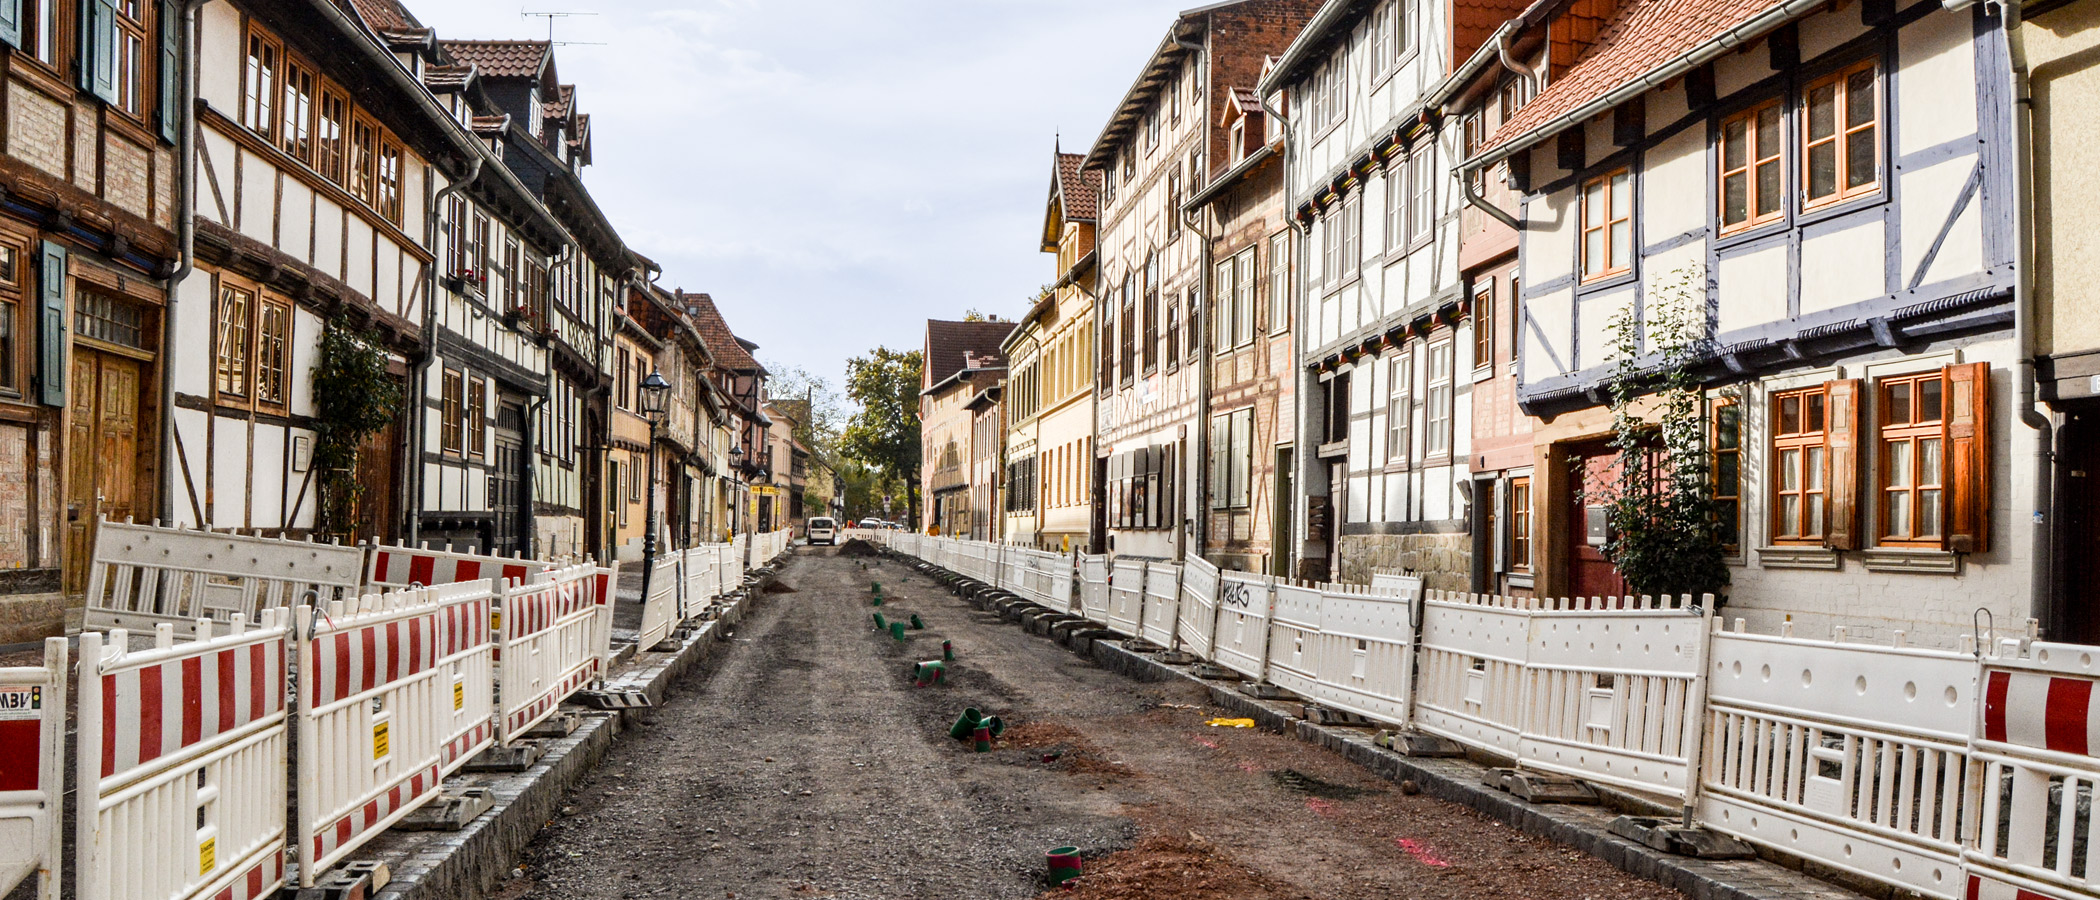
<point x="398" y="691"/>
<point x="1126" y="597"/>
<point x="1351" y="648"/>
<point x="33" y="771"/>
<point x="180" y="770"/>
<point x="1198" y="613"/>
<point x="739" y="560"/>
<point x="550" y="642"/>
<point x="1615" y="691"/>
<point x="2035" y="740"/>
<point x="1853" y="755"/>
<point x="660" y="608"/>
<point x="1093" y="587"/>
<point x="1240" y="641"/>
<point x="145" y="575"/>
<point x="697" y="587"/>
<point x="1058" y="581"/>
<point x="1471" y="680"/>
<point x="393" y="566"/>
<point x="1161" y="615"/>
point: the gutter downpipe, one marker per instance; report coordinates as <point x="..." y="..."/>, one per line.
<point x="1197" y="495"/>
<point x="421" y="427"/>
<point x="2042" y="601"/>
<point x="1472" y="193"/>
<point x="186" y="241"/>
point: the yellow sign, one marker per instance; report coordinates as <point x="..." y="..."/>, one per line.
<point x="379" y="741"/>
<point x="207" y="856"/>
<point x="765" y="490"/>
<point x="495" y="620"/>
<point x="459" y="695"/>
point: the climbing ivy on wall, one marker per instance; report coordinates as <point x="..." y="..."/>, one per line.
<point x="353" y="399"/>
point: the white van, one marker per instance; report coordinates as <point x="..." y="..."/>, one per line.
<point x="822" y="530"/>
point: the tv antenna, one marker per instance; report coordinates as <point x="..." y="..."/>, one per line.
<point x="551" y="17"/>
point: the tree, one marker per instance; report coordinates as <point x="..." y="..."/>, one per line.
<point x="884" y="433"/>
<point x="1667" y="534"/>
<point x="821" y="416"/>
<point x="353" y="399"/>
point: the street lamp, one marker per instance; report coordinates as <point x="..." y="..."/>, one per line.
<point x="655" y="391"/>
<point x="736" y="464"/>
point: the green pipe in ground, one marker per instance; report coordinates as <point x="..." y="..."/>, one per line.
<point x="880" y="624"/>
<point x="917" y="625"/>
<point x="996" y="724"/>
<point x="878" y="600"/>
<point x="947" y="652"/>
<point x="981" y="739"/>
<point x="965" y="724"/>
<point x="897" y="630"/>
<point x="928" y="674"/>
<point x="1064" y="864"/>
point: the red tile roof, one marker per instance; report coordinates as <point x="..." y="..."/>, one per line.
<point x="441" y="79"/>
<point x="501" y="59"/>
<point x="1076" y="188"/>
<point x="561" y="104"/>
<point x="381" y="15"/>
<point x="1641" y="37"/>
<point x="952" y="346"/>
<point x="714" y="331"/>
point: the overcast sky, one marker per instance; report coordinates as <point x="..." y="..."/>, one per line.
<point x="835" y="172"/>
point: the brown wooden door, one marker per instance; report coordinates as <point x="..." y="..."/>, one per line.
<point x="378" y="465"/>
<point x="1590" y="574"/>
<point x="102" y="452"/>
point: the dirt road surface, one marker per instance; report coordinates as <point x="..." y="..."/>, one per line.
<point x="808" y="766"/>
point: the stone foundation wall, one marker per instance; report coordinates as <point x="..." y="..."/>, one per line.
<point x="1445" y="561"/>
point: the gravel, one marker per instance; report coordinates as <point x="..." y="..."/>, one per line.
<point x="808" y="766"/>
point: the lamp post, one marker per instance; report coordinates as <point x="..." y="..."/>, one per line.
<point x="736" y="465"/>
<point x="655" y="391"/>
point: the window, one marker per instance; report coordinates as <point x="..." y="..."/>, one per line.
<point x="477" y="412"/>
<point x="1607" y="225"/>
<point x="1437" y="403"/>
<point x="1396" y="203"/>
<point x="1243" y="298"/>
<point x="1332" y="239"/>
<point x="624" y="376"/>
<point x="388" y="203"/>
<point x="1912" y="463"/>
<point x="295" y="130"/>
<point x="110" y="320"/>
<point x="451" y="438"/>
<point x="456" y="257"/>
<point x="1400" y="409"/>
<point x="364" y="158"/>
<point x="1475" y="133"/>
<point x="1841" y="153"/>
<point x="1151" y="130"/>
<point x="1174" y="334"/>
<point x="1337" y="408"/>
<point x="1221" y="313"/>
<point x="1520" y="524"/>
<point x="1151" y="349"/>
<point x="1516" y="321"/>
<point x="1130" y="328"/>
<point x="513" y="284"/>
<point x="1279" y="282"/>
<point x="273" y="341"/>
<point x="11" y="304"/>
<point x="1728" y="471"/>
<point x="1484" y="325"/>
<point x="1403" y="28"/>
<point x="130" y="51"/>
<point x="235" y="308"/>
<point x="481" y="251"/>
<point x="1421" y="182"/>
<point x="1352" y="236"/>
<point x="1382" y="55"/>
<point x="1195" y="302"/>
<point x="1750" y="167"/>
<point x="1800" y="466"/>
<point x="329" y="152"/>
<point x="40" y="30"/>
<point x="1231" y="459"/>
<point x="259" y="98"/>
<point x="1173" y="206"/>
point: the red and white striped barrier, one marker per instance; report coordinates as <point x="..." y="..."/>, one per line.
<point x="553" y="638"/>
<point x="144" y="575"/>
<point x="180" y="769"/>
<point x="33" y="771"/>
<point x="398" y="691"/>
<point x="394" y="566"/>
<point x="2036" y="740"/>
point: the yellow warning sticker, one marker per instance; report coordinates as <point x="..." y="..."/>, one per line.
<point x="379" y="741"/>
<point x="495" y="620"/>
<point x="207" y="856"/>
<point x="459" y="695"/>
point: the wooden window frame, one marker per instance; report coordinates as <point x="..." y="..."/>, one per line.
<point x="233" y="342"/>
<point x="332" y="134"/>
<point x="16" y="299"/>
<point x="1520" y="546"/>
<point x="363" y="180"/>
<point x="1809" y="442"/>
<point x="259" y="112"/>
<point x="1915" y="433"/>
<point x="1726" y="422"/>
<point x="451" y="401"/>
<point x="1280" y="282"/>
<point x="133" y="35"/>
<point x="1602" y="185"/>
<point x="1243" y="298"/>
<point x="1421" y="193"/>
<point x="389" y="177"/>
<point x="1484" y="325"/>
<point x="271" y="377"/>
<point x="1353" y="237"/>
<point x="476" y="411"/>
<point x="1753" y="121"/>
<point x="1842" y="136"/>
<point x="1400" y="410"/>
<point x="297" y="109"/>
<point x="1433" y="454"/>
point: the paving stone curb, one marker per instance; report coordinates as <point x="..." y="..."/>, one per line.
<point x="1584" y="828"/>
<point x="472" y="861"/>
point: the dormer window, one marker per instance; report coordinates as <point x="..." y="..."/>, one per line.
<point x="1239" y="140"/>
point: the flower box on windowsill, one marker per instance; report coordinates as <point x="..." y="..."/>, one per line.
<point x="464" y="281"/>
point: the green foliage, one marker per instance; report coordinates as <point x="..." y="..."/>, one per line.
<point x="1666" y="527"/>
<point x="819" y="435"/>
<point x="884" y="433"/>
<point x="353" y="399"/>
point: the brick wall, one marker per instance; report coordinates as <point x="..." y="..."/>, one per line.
<point x="36" y="129"/>
<point x="1445" y="561"/>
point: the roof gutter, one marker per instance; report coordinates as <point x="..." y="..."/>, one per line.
<point x="1700" y="55"/>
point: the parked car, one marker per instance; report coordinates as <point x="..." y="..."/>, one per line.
<point x="872" y="523"/>
<point x="823" y="530"/>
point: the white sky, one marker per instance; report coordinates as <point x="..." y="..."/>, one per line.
<point x="835" y="172"/>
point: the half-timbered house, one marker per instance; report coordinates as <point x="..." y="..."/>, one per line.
<point x="1049" y="402"/>
<point x="1829" y="184"/>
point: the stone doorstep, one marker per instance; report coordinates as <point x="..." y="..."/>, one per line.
<point x="1458" y="780"/>
<point x="473" y="859"/>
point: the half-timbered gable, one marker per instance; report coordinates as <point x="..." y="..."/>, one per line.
<point x="1154" y="152"/>
<point x="1385" y="330"/>
<point x="88" y="233"/>
<point x="1829" y="185"/>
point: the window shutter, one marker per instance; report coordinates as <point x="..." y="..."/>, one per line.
<point x="1968" y="473"/>
<point x="11" y="22"/>
<point x="1219" y="438"/>
<point x="51" y="330"/>
<point x="1841" y="448"/>
<point x="170" y="106"/>
<point x="98" y="49"/>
